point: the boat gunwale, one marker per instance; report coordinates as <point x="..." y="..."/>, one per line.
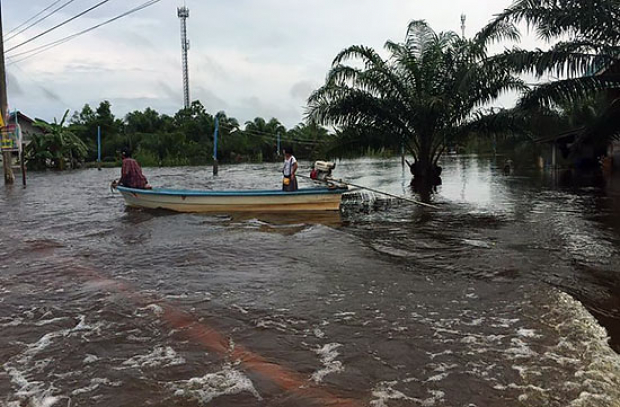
<point x="233" y="193"/>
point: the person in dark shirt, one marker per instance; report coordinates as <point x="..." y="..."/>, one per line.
<point x="131" y="173"/>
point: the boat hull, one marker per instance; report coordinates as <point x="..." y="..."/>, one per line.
<point x="304" y="200"/>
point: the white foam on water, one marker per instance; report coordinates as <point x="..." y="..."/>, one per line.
<point x="177" y="296"/>
<point x="213" y="385"/>
<point x="12" y="322"/>
<point x="34" y="393"/>
<point x="22" y="367"/>
<point x="318" y="333"/>
<point x="159" y="357"/>
<point x="90" y="359"/>
<point x="580" y="368"/>
<point x="270" y="324"/>
<point x="527" y="333"/>
<point x="438" y="377"/>
<point x="154" y="308"/>
<point x="240" y="309"/>
<point x="50" y="321"/>
<point x="45" y="401"/>
<point x="94" y="385"/>
<point x="434" y="355"/>
<point x="328" y="355"/>
<point x="520" y="349"/>
<point x="384" y="392"/>
<point x="140" y="339"/>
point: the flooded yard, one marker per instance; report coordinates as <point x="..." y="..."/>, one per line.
<point x="507" y="295"/>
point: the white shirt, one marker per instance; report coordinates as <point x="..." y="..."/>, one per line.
<point x="288" y="166"/>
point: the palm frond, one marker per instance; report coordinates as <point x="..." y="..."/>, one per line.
<point x="563" y="60"/>
<point x="607" y="126"/>
<point x="498" y="30"/>
<point x="565" y="90"/>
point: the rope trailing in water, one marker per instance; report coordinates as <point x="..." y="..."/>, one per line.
<point x="376" y="191"/>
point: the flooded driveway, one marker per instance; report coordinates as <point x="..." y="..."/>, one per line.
<point x="504" y="296"/>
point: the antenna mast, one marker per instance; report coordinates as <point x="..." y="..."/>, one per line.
<point x="183" y="13"/>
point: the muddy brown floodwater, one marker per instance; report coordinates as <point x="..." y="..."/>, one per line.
<point x="508" y="295"/>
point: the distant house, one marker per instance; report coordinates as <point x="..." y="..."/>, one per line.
<point x="26" y="124"/>
<point x="563" y="151"/>
<point x="613" y="72"/>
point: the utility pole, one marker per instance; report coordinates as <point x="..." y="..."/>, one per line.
<point x="216" y="134"/>
<point x="7" y="158"/>
<point x="183" y="13"/>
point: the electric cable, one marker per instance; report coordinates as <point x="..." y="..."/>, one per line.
<point x="271" y="136"/>
<point x="9" y="36"/>
<point x="47" y="47"/>
<point x="101" y="3"/>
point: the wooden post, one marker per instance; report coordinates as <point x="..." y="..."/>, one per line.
<point x="7" y="158"/>
<point x="22" y="161"/>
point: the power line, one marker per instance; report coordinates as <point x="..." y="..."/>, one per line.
<point x="271" y="136"/>
<point x="47" y="47"/>
<point x="9" y="36"/>
<point x="33" y="17"/>
<point x="59" y="25"/>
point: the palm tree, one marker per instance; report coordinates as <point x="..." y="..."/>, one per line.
<point x="264" y="136"/>
<point x="429" y="91"/>
<point x="585" y="42"/>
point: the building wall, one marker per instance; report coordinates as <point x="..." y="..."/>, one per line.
<point x="28" y="130"/>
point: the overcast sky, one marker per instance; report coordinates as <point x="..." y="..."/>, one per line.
<point x="248" y="57"/>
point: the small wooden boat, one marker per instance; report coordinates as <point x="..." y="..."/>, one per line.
<point x="303" y="200"/>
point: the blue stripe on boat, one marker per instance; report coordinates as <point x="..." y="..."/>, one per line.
<point x="182" y="192"/>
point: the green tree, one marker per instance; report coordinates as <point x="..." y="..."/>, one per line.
<point x="85" y="126"/>
<point x="584" y="54"/>
<point x="425" y="94"/>
<point x="262" y="136"/>
<point x="55" y="147"/>
<point x="308" y="139"/>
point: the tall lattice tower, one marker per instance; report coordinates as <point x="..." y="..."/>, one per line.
<point x="464" y="24"/>
<point x="183" y="13"/>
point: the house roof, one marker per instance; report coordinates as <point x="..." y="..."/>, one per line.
<point x="20" y="117"/>
<point x="562" y="136"/>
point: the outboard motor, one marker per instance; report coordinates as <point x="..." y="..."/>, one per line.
<point x="322" y="170"/>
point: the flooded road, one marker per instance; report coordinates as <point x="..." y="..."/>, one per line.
<point x="505" y="296"/>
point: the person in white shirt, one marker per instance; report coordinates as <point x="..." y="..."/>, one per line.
<point x="289" y="183"/>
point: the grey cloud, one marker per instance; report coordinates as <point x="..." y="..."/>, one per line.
<point x="174" y="94"/>
<point x="210" y="100"/>
<point x="50" y="94"/>
<point x="122" y="106"/>
<point x="13" y="85"/>
<point x="301" y="90"/>
<point x="211" y="67"/>
<point x="252" y="107"/>
<point x="277" y="33"/>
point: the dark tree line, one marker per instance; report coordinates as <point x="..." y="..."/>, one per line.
<point x="186" y="138"/>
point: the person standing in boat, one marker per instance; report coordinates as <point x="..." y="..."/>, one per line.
<point x="289" y="183"/>
<point x="131" y="173"/>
